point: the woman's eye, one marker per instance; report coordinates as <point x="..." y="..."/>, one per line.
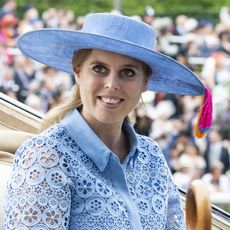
<point x="99" y="69"/>
<point x="127" y="73"/>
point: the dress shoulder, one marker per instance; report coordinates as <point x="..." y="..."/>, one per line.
<point x="150" y="145"/>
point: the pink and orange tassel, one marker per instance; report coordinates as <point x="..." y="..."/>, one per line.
<point x="204" y="121"/>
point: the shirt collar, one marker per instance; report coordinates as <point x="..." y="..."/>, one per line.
<point x="90" y="143"/>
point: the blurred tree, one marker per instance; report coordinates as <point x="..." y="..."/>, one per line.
<point x="197" y="8"/>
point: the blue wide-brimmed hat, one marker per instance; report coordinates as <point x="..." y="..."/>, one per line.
<point x="114" y="33"/>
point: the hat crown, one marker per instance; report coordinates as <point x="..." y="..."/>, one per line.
<point x="120" y="28"/>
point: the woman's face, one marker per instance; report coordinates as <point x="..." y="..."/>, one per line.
<point x="110" y="86"/>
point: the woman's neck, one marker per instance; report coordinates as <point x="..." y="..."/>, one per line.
<point x="114" y="138"/>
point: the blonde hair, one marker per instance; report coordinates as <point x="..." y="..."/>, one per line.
<point x="58" y="113"/>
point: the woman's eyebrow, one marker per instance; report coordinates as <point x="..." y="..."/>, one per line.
<point x="135" y="66"/>
<point x="97" y="62"/>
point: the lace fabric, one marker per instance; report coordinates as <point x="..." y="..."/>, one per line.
<point x="56" y="185"/>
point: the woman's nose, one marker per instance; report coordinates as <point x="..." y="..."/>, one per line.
<point x="112" y="82"/>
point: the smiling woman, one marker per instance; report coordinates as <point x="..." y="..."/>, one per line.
<point x="89" y="167"/>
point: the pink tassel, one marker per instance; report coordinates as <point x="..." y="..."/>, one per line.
<point x="204" y="121"/>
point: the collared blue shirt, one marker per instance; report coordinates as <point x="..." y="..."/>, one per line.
<point x="67" y="178"/>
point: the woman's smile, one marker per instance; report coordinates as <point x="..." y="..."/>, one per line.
<point x="110" y="100"/>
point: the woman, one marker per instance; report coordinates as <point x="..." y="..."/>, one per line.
<point x="90" y="170"/>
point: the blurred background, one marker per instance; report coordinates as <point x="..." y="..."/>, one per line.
<point x="195" y="33"/>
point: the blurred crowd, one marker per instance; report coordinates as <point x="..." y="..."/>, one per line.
<point x="201" y="45"/>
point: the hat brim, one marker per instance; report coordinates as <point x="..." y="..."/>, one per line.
<point x="55" y="48"/>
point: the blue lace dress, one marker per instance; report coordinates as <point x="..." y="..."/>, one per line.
<point x="66" y="178"/>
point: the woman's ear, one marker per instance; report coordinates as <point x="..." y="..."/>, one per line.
<point x="145" y="86"/>
<point x="76" y="73"/>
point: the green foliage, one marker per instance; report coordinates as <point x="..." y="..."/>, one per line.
<point x="80" y="7"/>
<point x="196" y="8"/>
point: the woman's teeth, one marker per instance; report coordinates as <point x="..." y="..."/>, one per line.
<point x="110" y="100"/>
